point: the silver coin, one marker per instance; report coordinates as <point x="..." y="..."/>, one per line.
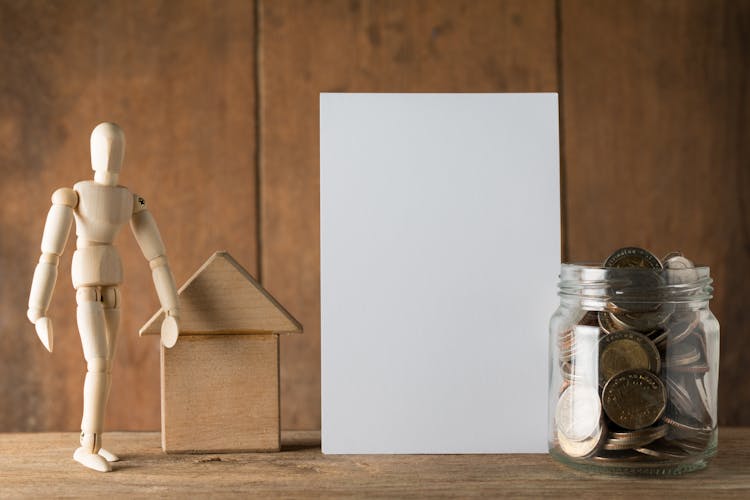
<point x="679" y="270"/>
<point x="635" y="439"/>
<point x="676" y="253"/>
<point x="578" y="412"/>
<point x="681" y="354"/>
<point x="680" y="326"/>
<point x="585" y="447"/>
<point x="664" y="450"/>
<point x="679" y="397"/>
<point x="678" y="262"/>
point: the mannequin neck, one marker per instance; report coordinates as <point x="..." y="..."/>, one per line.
<point x="106" y="178"/>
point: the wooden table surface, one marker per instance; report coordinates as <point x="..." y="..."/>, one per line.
<point x="41" y="465"/>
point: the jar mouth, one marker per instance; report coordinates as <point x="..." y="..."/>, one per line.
<point x="629" y="286"/>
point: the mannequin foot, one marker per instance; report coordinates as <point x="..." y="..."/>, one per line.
<point x="91" y="460"/>
<point x="108" y="455"/>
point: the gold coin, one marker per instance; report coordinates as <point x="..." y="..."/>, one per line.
<point x="644" y="321"/>
<point x="643" y="317"/>
<point x="633" y="257"/>
<point x="636" y="277"/>
<point x="634" y="399"/>
<point x="607" y="324"/>
<point x="626" y="350"/>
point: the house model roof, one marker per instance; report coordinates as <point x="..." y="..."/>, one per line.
<point x="222" y="297"/>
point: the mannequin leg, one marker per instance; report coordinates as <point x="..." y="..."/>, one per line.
<point x="111" y="303"/>
<point x="93" y="331"/>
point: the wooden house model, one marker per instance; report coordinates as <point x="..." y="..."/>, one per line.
<point x="220" y="382"/>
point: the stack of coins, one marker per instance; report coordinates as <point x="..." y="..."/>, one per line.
<point x="633" y="374"/>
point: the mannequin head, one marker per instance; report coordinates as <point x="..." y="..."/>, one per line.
<point x="107" y="152"/>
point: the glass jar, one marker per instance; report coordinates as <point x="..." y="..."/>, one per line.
<point x="634" y="356"/>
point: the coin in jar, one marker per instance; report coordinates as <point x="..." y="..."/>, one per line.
<point x="680" y="326"/>
<point x="682" y="354"/>
<point x="687" y="425"/>
<point x="589" y="319"/>
<point x="578" y="412"/>
<point x="676" y="253"/>
<point x="618" y="456"/>
<point x="607" y="324"/>
<point x="663" y="449"/>
<point x="679" y="396"/>
<point x="585" y="447"/>
<point x="634" y="399"/>
<point x="633" y="257"/>
<point x="634" y="439"/>
<point x="676" y="260"/>
<point x="655" y="432"/>
<point x="626" y="350"/>
<point x="644" y="321"/>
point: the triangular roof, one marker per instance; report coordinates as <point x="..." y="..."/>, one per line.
<point x="221" y="297"/>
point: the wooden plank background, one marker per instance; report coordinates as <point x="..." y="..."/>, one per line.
<point x="219" y="101"/>
<point x="413" y="46"/>
<point x="178" y="76"/>
<point x="656" y="116"/>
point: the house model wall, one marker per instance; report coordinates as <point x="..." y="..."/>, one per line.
<point x="220" y="382"/>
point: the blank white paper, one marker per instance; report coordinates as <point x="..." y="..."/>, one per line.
<point x="440" y="250"/>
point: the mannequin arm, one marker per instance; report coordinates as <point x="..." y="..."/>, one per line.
<point x="149" y="240"/>
<point x="56" y="231"/>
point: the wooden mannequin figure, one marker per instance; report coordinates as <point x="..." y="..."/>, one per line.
<point x="100" y="208"/>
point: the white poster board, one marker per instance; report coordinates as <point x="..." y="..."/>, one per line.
<point x="440" y="250"/>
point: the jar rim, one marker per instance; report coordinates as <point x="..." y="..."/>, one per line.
<point x="630" y="285"/>
<point x="595" y="265"/>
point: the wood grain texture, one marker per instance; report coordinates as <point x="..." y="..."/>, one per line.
<point x="301" y="471"/>
<point x="654" y="113"/>
<point x="222" y="297"/>
<point x="364" y="46"/>
<point x="656" y="110"/>
<point x="221" y="393"/>
<point x="178" y="76"/>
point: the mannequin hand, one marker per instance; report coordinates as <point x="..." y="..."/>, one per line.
<point x="43" y="328"/>
<point x="170" y="330"/>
